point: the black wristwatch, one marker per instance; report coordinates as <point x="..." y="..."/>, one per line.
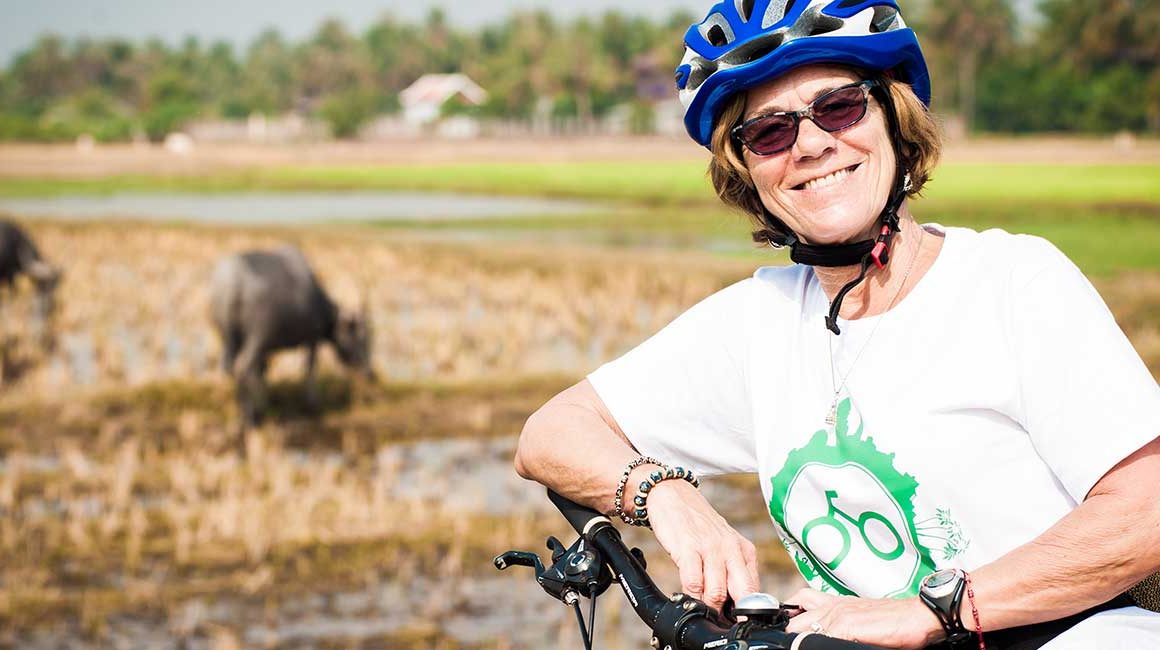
<point x="942" y="591"/>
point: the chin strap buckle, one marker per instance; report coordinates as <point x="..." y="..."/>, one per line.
<point x="880" y="254"/>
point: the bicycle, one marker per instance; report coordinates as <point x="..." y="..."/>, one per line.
<point x="830" y="520"/>
<point x="678" y="622"/>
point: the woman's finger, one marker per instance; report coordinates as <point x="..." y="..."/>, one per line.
<point x="749" y="552"/>
<point x="716" y="580"/>
<point x="742" y="578"/>
<point x="803" y="622"/>
<point x="809" y="599"/>
<point x="691" y="570"/>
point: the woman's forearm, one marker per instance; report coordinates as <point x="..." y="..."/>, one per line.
<point x="572" y="445"/>
<point x="1107" y="544"/>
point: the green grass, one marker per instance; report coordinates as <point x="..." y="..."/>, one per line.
<point x="1023" y="183"/>
<point x="684" y="182"/>
<point x="651" y="183"/>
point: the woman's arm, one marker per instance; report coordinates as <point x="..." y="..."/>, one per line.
<point x="573" y="445"/>
<point x="1108" y="543"/>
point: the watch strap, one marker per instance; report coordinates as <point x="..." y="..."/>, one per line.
<point x="948" y="610"/>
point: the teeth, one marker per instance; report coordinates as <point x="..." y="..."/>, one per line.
<point x="827" y="181"/>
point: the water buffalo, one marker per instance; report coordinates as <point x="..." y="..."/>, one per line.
<point x="263" y="301"/>
<point x="19" y="256"/>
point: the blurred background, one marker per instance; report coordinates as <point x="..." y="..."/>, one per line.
<point x="504" y="194"/>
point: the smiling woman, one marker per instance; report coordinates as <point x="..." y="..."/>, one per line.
<point x="942" y="461"/>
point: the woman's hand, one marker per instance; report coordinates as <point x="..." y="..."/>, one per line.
<point x="714" y="560"/>
<point x="884" y="622"/>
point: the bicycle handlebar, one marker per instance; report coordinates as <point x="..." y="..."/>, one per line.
<point x="680" y="622"/>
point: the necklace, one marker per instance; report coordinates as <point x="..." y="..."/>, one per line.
<point x="832" y="416"/>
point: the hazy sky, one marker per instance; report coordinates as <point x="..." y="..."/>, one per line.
<point x="239" y="21"/>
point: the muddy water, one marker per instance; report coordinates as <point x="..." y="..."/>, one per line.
<point x="483" y="607"/>
<point x="287" y="207"/>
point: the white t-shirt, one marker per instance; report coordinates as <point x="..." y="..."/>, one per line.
<point x="975" y="414"/>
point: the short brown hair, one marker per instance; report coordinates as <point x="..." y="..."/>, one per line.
<point x="920" y="149"/>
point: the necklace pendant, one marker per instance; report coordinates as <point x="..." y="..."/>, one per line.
<point x="832" y="416"/>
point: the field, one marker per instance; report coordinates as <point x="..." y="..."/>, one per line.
<point x="132" y="514"/>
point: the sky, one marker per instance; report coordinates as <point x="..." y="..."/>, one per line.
<point x="239" y="21"/>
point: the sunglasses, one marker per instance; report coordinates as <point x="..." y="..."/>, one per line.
<point x="773" y="133"/>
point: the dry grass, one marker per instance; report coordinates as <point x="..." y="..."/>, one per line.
<point x="124" y="524"/>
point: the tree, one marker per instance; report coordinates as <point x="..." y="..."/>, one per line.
<point x="969" y="33"/>
<point x="268" y="80"/>
<point x="1091" y="35"/>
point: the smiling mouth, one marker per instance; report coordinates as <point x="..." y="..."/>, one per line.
<point x="829" y="179"/>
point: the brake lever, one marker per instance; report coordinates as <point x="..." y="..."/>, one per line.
<point x="518" y="558"/>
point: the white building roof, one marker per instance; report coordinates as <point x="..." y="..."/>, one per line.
<point x="435" y="89"/>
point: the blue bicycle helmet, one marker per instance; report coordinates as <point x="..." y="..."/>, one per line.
<point x="744" y="43"/>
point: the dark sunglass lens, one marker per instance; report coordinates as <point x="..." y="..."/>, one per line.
<point x="840" y="108"/>
<point x="770" y="134"/>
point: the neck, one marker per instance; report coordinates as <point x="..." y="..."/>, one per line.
<point x="911" y="249"/>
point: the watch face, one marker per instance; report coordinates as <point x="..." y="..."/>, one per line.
<point x="941" y="583"/>
<point x="940" y="578"/>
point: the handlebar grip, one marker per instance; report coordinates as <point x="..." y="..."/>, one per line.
<point x="580" y="517"/>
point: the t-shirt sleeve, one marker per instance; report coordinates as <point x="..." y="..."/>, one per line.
<point x="1088" y="400"/>
<point x="682" y="396"/>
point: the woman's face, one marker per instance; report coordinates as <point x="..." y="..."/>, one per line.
<point x="828" y="188"/>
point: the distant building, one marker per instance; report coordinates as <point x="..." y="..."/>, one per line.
<point x="423" y="101"/>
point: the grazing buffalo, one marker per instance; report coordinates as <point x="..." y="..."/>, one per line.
<point x="263" y="301"/>
<point x="19" y="256"/>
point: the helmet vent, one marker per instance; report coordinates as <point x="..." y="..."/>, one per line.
<point x="744" y="9"/>
<point x="846" y="4"/>
<point x="716" y="30"/>
<point x="716" y="36"/>
<point x="824" y="24"/>
<point x="754" y="49"/>
<point x="884" y="19"/>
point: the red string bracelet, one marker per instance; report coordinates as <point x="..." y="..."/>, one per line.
<point x="974" y="610"/>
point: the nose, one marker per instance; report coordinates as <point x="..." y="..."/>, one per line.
<point x="812" y="140"/>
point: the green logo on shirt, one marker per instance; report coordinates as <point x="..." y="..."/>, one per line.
<point x="846" y="515"/>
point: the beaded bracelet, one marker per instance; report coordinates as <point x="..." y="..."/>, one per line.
<point x="640" y="513"/>
<point x="974" y="610"/>
<point x="618" y="499"/>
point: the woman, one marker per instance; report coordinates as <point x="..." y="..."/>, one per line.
<point x="953" y="437"/>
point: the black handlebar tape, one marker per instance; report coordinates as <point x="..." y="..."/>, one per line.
<point x="578" y="516"/>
